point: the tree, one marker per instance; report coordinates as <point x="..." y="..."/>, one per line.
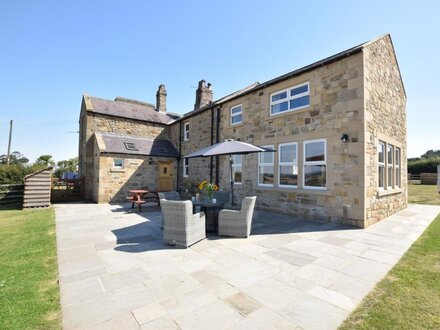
<point x="45" y="160"/>
<point x="70" y="165"/>
<point x="431" y="153"/>
<point x="16" y="157"/>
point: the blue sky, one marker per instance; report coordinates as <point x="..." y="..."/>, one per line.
<point x="54" y="51"/>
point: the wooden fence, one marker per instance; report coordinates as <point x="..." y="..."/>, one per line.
<point x="11" y="193"/>
<point x="67" y="190"/>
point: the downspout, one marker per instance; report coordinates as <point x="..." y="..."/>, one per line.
<point x="217" y="138"/>
<point x="212" y="140"/>
<point x="180" y="155"/>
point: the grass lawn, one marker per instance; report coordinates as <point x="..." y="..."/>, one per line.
<point x="29" y="292"/>
<point x="423" y="194"/>
<point x="409" y="295"/>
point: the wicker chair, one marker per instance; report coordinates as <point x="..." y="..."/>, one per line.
<point x="181" y="226"/>
<point x="237" y="223"/>
<point x="169" y="196"/>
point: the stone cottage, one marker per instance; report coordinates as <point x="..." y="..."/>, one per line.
<point x="338" y="125"/>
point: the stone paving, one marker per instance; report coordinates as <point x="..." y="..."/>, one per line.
<point x="115" y="273"/>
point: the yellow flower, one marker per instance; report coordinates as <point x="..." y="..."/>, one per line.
<point x="202" y="184"/>
<point x="215" y="187"/>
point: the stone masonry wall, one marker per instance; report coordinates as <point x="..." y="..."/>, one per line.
<point x="114" y="183"/>
<point x="336" y="107"/>
<point x="385" y="120"/>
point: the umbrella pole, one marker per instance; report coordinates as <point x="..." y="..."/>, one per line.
<point x="232" y="181"/>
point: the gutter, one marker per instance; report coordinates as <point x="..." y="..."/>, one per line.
<point x="180" y="156"/>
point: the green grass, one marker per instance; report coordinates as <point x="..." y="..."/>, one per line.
<point x="29" y="292"/>
<point x="409" y="295"/>
<point x="423" y="194"/>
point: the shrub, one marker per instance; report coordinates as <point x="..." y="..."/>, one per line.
<point x="423" y="165"/>
<point x="15" y="173"/>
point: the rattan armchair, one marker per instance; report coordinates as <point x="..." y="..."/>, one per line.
<point x="237" y="223"/>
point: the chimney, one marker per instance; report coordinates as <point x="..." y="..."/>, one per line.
<point x="161" y="99"/>
<point x="203" y="94"/>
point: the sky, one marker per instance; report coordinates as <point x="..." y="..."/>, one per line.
<point x="53" y="51"/>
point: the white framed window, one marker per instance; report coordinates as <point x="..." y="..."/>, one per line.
<point x="237" y="168"/>
<point x="185" y="167"/>
<point x="293" y="98"/>
<point x="288" y="165"/>
<point x="186" y="131"/>
<point x="381" y="164"/>
<point x="390" y="166"/>
<point x="315" y="164"/>
<point x="236" y="114"/>
<point x="118" y="163"/>
<point x="397" y="166"/>
<point x="265" y="168"/>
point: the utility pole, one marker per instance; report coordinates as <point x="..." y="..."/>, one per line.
<point x="9" y="143"/>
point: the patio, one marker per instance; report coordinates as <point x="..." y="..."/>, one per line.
<point x="115" y="271"/>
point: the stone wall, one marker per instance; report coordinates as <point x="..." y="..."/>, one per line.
<point x="336" y="105"/>
<point x="114" y="183"/>
<point x="385" y="120"/>
<point x="199" y="137"/>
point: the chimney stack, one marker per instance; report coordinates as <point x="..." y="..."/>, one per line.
<point x="203" y="94"/>
<point x="161" y="99"/>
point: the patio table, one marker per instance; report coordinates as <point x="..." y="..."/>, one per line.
<point x="211" y="210"/>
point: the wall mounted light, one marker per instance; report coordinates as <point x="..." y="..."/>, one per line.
<point x="344" y="137"/>
<point x="150" y="161"/>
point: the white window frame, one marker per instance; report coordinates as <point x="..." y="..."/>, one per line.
<point x="294" y="163"/>
<point x="310" y="163"/>
<point x="289" y="98"/>
<point x="185" y="167"/>
<point x="237" y="114"/>
<point x="118" y="167"/>
<point x="237" y="166"/>
<point x="381" y="164"/>
<point x="390" y="178"/>
<point x="265" y="164"/>
<point x="398" y="177"/>
<point x="186" y="131"/>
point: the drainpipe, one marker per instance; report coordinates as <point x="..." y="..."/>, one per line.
<point x="212" y="140"/>
<point x="217" y="138"/>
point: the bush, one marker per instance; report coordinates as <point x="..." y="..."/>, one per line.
<point x="423" y="165"/>
<point x="15" y="173"/>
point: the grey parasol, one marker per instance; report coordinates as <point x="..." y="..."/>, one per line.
<point x="229" y="147"/>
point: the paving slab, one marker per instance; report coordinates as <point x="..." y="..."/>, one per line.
<point x="116" y="273"/>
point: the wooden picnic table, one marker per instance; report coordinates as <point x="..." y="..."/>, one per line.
<point x="141" y="196"/>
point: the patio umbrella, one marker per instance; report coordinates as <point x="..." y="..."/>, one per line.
<point x="229" y="147"/>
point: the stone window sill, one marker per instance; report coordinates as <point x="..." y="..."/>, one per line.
<point x="381" y="193"/>
<point x="296" y="190"/>
<point x="117" y="170"/>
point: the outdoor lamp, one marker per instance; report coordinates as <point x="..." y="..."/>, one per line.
<point x="344" y="137"/>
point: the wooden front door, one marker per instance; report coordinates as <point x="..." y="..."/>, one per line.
<point x="165" y="176"/>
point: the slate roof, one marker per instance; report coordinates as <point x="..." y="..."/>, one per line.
<point x="114" y="143"/>
<point x="132" y="110"/>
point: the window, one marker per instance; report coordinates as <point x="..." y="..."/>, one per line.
<point x="381" y="163"/>
<point x="293" y="98"/>
<point x="118" y="163"/>
<point x="315" y="164"/>
<point x="186" y="131"/>
<point x="237" y="161"/>
<point x="397" y="166"/>
<point x="185" y="167"/>
<point x="265" y="168"/>
<point x="288" y="165"/>
<point x="130" y="146"/>
<point x="390" y="170"/>
<point x="236" y="115"/>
